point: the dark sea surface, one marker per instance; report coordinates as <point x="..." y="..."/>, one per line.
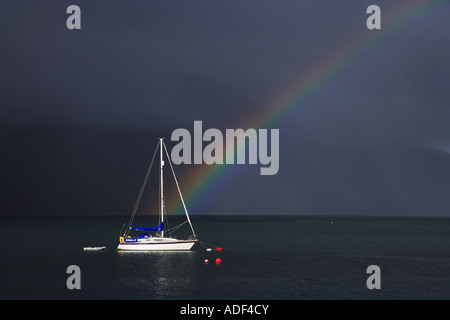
<point x="264" y="257"/>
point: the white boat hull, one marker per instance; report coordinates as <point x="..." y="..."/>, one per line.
<point x="156" y="244"/>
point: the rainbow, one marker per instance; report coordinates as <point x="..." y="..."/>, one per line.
<point x="204" y="181"/>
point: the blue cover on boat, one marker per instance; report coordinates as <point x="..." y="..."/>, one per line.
<point x="158" y="228"/>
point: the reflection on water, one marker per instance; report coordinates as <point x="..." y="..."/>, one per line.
<point x="155" y="275"/>
<point x="313" y="259"/>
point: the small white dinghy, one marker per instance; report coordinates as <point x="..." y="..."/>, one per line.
<point x="94" y="248"/>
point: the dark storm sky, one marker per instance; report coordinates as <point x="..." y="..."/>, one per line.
<point x="81" y="109"/>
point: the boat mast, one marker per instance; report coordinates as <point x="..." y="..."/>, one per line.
<point x="161" y="183"/>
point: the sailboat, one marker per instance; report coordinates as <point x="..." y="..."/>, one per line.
<point x="157" y="241"/>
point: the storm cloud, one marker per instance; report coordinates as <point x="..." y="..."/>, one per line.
<point x="81" y="110"/>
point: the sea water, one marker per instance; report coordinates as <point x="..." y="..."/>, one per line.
<point x="264" y="257"/>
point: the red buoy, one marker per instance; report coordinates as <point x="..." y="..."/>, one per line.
<point x="219" y="249"/>
<point x="218" y="261"/>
